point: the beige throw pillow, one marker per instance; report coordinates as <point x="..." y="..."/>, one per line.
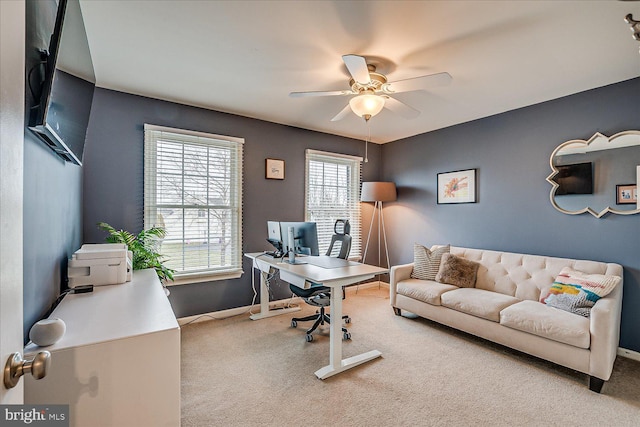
<point x="427" y="262"/>
<point x="457" y="271"/>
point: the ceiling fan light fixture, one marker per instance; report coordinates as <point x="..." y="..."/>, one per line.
<point x="366" y="104"/>
<point x="371" y="90"/>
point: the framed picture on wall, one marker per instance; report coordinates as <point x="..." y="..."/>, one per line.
<point x="274" y="169"/>
<point x="457" y="187"/>
<point x="626" y="194"/>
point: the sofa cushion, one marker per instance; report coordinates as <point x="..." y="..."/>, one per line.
<point x="426" y="262"/>
<point x="457" y="271"/>
<point x="547" y="322"/>
<point x="424" y="290"/>
<point x="478" y="302"/>
<point x="576" y="292"/>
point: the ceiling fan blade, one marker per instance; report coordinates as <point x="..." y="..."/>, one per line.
<point x="400" y="108"/>
<point x="357" y="66"/>
<point x="321" y="93"/>
<point x="342" y="114"/>
<point x="418" y="83"/>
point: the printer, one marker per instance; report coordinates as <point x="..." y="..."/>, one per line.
<point x="100" y="264"/>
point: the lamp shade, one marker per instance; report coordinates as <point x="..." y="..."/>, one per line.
<point x="378" y="191"/>
<point x="367" y="104"/>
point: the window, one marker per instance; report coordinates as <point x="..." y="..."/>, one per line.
<point x="332" y="192"/>
<point x="193" y="188"/>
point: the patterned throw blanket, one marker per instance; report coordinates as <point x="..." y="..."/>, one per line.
<point x="576" y="292"/>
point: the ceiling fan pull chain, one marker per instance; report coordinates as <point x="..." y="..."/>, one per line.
<point x="366" y="142"/>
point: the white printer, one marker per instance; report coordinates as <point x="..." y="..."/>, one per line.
<point x="100" y="264"/>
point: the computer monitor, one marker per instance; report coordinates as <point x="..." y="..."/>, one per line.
<point x="305" y="235"/>
<point x="274" y="230"/>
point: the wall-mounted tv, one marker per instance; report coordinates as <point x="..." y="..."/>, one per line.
<point x="61" y="117"/>
<point x="574" y="179"/>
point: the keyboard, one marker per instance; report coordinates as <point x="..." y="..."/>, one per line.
<point x="273" y="254"/>
<point x="329" y="262"/>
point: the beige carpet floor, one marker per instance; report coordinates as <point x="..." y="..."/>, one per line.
<point x="239" y="372"/>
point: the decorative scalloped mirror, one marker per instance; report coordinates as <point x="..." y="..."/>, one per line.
<point x="609" y="165"/>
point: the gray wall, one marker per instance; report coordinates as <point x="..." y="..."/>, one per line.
<point x="52" y="194"/>
<point x="511" y="153"/>
<point x="113" y="179"/>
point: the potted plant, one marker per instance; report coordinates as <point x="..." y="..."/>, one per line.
<point x="144" y="246"/>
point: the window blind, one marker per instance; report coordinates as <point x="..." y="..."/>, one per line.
<point x="193" y="188"/>
<point x="332" y="191"/>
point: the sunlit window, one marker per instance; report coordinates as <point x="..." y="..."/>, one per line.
<point x="333" y="192"/>
<point x="193" y="188"/>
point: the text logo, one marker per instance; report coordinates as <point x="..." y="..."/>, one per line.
<point x="34" y="415"/>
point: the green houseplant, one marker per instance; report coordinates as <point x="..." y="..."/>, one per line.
<point x="144" y="246"/>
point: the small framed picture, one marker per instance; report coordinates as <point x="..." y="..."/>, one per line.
<point x="457" y="187"/>
<point x="274" y="169"/>
<point x="626" y="194"/>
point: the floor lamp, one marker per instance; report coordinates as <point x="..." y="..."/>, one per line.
<point x="378" y="192"/>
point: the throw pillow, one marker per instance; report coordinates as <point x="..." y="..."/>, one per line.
<point x="426" y="262"/>
<point x="576" y="292"/>
<point x="457" y="271"/>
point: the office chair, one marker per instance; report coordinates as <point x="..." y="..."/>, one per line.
<point x="319" y="295"/>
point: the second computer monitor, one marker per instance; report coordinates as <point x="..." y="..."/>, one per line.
<point x="274" y="230"/>
<point x="305" y="235"/>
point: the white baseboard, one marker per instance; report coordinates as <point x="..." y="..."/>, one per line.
<point x="373" y="284"/>
<point x="629" y="354"/>
<point x="223" y="314"/>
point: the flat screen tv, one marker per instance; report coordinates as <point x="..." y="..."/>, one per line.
<point x="574" y="179"/>
<point x="61" y="117"/>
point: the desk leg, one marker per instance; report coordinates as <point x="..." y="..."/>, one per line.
<point x="336" y="364"/>
<point x="264" y="302"/>
<point x="335" y="329"/>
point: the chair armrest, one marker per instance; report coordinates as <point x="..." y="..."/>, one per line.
<point x="605" y="333"/>
<point x="397" y="274"/>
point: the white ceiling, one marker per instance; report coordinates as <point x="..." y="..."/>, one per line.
<point x="244" y="57"/>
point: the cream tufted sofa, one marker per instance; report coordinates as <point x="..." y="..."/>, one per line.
<point x="503" y="307"/>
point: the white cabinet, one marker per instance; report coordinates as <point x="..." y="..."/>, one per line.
<point x="118" y="363"/>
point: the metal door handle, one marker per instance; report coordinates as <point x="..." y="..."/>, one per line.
<point x="16" y="367"/>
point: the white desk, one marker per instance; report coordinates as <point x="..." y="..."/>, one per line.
<point x="331" y="277"/>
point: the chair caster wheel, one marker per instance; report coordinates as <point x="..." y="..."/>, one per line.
<point x="294" y="324"/>
<point x="347" y="320"/>
<point x="346" y="336"/>
<point x="309" y="337"/>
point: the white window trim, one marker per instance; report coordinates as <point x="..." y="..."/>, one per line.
<point x="200" y="276"/>
<point x="338" y="155"/>
<point x="187" y="279"/>
<point x="356" y="230"/>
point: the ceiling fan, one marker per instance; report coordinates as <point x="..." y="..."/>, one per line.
<point x="373" y="90"/>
